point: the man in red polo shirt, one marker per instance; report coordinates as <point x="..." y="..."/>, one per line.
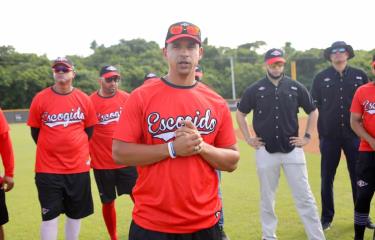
<point x="177" y="131"/>
<point x="62" y="119"/>
<point x="6" y="181"/>
<point x="109" y="104"/>
<point x="362" y="121"/>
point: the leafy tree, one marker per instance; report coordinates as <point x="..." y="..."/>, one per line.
<point x="23" y="75"/>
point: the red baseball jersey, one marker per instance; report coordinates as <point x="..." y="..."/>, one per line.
<point x="175" y="195"/>
<point x="6" y="149"/>
<point x="108" y="111"/>
<point x="364" y="104"/>
<point x="63" y="146"/>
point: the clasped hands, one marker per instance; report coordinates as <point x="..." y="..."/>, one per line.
<point x="188" y="140"/>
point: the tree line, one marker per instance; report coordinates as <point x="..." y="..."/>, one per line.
<point x="23" y="75"/>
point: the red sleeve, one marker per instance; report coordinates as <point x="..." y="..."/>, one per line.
<point x="34" y="119"/>
<point x="356" y="106"/>
<point x="6" y="151"/>
<point x="226" y="136"/>
<point x="3" y="123"/>
<point x="129" y="128"/>
<point x="91" y="119"/>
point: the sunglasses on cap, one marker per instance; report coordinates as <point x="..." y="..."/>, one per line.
<point x="115" y="79"/>
<point x="61" y="68"/>
<point x="178" y="29"/>
<point x="338" y="50"/>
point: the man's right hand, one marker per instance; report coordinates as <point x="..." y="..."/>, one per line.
<point x="7" y="184"/>
<point x="255" y="142"/>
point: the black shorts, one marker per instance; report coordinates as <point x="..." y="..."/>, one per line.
<point x="365" y="171"/>
<point x="109" y="181"/>
<point x="136" y="232"/>
<point x="4" y="218"/>
<point x="64" y="193"/>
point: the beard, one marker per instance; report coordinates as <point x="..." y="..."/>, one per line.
<point x="274" y="76"/>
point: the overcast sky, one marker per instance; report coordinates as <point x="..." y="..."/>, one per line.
<point x="68" y="27"/>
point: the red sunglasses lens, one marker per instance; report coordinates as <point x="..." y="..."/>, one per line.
<point x="193" y="30"/>
<point x="176" y="29"/>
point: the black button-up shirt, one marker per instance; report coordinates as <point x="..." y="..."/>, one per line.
<point x="333" y="94"/>
<point x="275" y="111"/>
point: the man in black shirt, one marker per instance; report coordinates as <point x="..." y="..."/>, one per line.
<point x="332" y="91"/>
<point x="275" y="101"/>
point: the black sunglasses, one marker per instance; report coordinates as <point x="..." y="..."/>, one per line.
<point x="63" y="69"/>
<point x="116" y="79"/>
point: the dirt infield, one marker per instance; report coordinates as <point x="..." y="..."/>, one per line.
<point x="312" y="147"/>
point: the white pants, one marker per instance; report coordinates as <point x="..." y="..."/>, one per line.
<point x="294" y="165"/>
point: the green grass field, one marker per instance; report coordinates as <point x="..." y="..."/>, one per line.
<point x="241" y="201"/>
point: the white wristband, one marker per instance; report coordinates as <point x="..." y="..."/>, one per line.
<point x="171" y="151"/>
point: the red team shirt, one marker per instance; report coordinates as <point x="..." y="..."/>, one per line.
<point x="63" y="146"/>
<point x="108" y="111"/>
<point x="364" y="104"/>
<point x="175" y="195"/>
<point x="6" y="150"/>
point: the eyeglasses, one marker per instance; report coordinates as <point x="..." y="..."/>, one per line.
<point x="63" y="69"/>
<point x="338" y="50"/>
<point x="116" y="79"/>
<point x="178" y="29"/>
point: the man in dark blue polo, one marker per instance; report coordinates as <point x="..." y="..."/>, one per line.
<point x="275" y="102"/>
<point x="332" y="91"/>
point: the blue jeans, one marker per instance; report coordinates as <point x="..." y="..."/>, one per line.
<point x="330" y="150"/>
<point x="221" y="220"/>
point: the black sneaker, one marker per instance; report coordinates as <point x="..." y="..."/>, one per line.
<point x="326" y="225"/>
<point x="223" y="235"/>
<point x="370" y="224"/>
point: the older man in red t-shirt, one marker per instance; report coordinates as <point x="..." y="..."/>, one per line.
<point x="62" y="119"/>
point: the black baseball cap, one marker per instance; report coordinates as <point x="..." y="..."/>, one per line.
<point x="63" y="61"/>
<point x="183" y="30"/>
<point x="198" y="73"/>
<point x="109" y="71"/>
<point x="149" y="76"/>
<point x="274" y="55"/>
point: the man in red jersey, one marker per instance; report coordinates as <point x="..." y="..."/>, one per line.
<point x="62" y="119"/>
<point x="110" y="177"/>
<point x="362" y="121"/>
<point x="177" y="132"/>
<point x="6" y="182"/>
